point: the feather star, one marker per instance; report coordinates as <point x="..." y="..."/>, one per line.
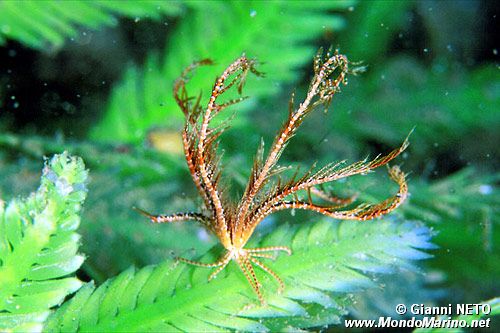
<point x="266" y="192"/>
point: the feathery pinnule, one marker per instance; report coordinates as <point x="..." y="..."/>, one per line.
<point x="266" y="192"/>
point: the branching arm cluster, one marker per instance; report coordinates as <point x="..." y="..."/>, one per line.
<point x="200" y="141"/>
<point x="234" y="224"/>
<point x="257" y="202"/>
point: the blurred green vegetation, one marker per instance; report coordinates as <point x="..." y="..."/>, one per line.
<point x="278" y="33"/>
<point x="418" y="74"/>
<point x="48" y="24"/>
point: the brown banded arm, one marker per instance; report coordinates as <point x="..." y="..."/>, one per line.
<point x="321" y="86"/>
<point x="331" y="173"/>
<point x="204" y="161"/>
<point x="179" y="217"/>
<point x="361" y="212"/>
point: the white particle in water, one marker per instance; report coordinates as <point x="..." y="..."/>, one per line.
<point x="485" y="189"/>
<point x="203" y="235"/>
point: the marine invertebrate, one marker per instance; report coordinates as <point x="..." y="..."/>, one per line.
<point x="266" y="192"/>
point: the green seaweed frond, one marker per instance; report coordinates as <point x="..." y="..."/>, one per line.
<point x="48" y="24"/>
<point x="144" y="97"/>
<point x="39" y="245"/>
<point x="330" y="262"/>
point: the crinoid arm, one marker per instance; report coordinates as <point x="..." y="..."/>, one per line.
<point x="330" y="73"/>
<point x="363" y="211"/>
<point x="200" y="140"/>
<point x="178" y="217"/>
<point x="278" y="198"/>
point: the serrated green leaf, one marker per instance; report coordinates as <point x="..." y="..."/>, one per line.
<point x="318" y="279"/>
<point x="66" y="317"/>
<point x="39" y="249"/>
<point x="62" y="268"/>
<point x="109" y="304"/>
<point x="37" y="287"/>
